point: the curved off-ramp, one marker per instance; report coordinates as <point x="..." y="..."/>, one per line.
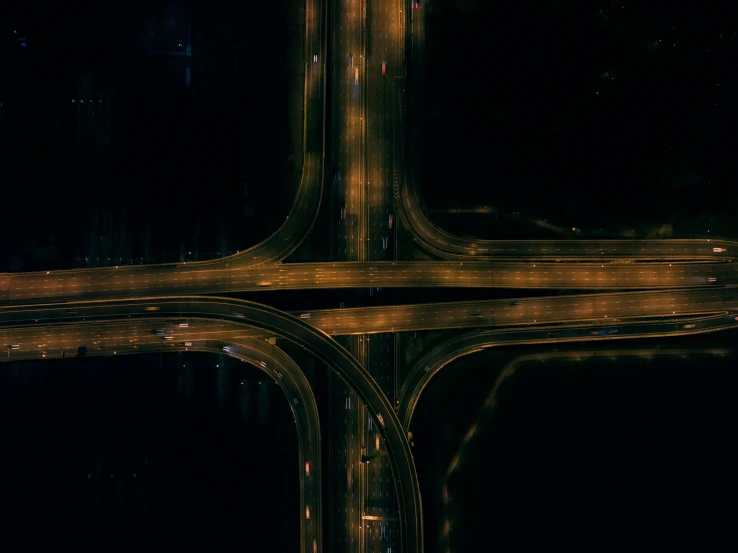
<point x="134" y="336"/>
<point x="283" y="325"/>
<point x="435" y="360"/>
<point x="304" y="210"/>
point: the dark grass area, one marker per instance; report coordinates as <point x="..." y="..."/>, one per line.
<point x="617" y="123"/>
<point x="611" y="454"/>
<point x="152" y="452"/>
<point x="141" y="168"/>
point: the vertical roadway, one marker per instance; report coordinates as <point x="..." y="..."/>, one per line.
<point x="383" y="49"/>
<point x="347" y="412"/>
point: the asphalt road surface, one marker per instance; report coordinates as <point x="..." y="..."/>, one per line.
<point x="598" y="308"/>
<point x="193" y="279"/>
<point x="522" y="311"/>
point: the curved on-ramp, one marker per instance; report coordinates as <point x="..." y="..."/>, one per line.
<point x="180" y="280"/>
<point x="471" y="342"/>
<point x="445" y="245"/>
<point x="134" y="337"/>
<point x="290" y="328"/>
<point x="304" y="211"/>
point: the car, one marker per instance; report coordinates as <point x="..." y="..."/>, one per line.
<point x="690" y="325"/>
<point x="315" y="56"/>
<point x="356" y="76"/>
<point x="14" y="346"/>
<point x="416" y="4"/>
<point x="305" y="316"/>
<point x="307" y="468"/>
<point x="351" y="61"/>
<point x="516" y="303"/>
<point x="711" y="279"/>
<point x="263" y="283"/>
<point x="390" y="221"/>
<point x="384" y="69"/>
<point x="158" y="331"/>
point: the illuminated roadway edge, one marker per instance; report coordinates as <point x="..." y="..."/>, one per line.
<point x="311" y="339"/>
<point x="185" y="280"/>
<point x="465" y="344"/>
<point x="487" y="410"/>
<point x="448" y="246"/>
<point x="294" y="384"/>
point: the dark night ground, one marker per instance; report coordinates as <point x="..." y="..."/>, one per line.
<point x="589" y="456"/>
<point x="172" y="161"/>
<point x="513" y="120"/>
<point x="216" y="474"/>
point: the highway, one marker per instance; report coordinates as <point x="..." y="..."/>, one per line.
<point x="349" y="194"/>
<point x="378" y="406"/>
<point x="364" y="321"/>
<point x="178" y="279"/>
<point x="445" y="245"/>
<point x="522" y="311"/>
<point x="384" y="64"/>
<point x="379" y="531"/>
<point x="424" y="370"/>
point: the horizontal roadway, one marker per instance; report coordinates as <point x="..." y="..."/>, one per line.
<point x="195" y="279"/>
<point x="599" y="308"/>
<point x="524" y="311"/>
<point x="290" y="328"/>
